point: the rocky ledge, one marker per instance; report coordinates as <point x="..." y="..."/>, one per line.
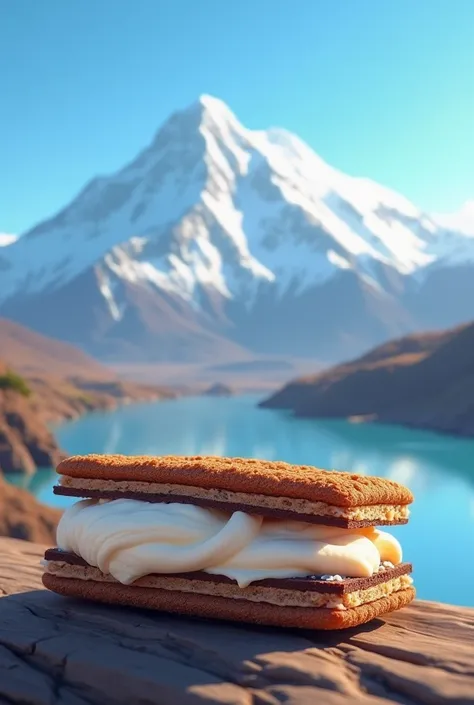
<point x="55" y="650"/>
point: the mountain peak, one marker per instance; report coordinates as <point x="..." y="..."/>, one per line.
<point x="213" y="111"/>
<point x="205" y="112"/>
<point x="212" y="104"/>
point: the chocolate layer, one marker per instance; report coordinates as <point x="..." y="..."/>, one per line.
<point x="325" y="586"/>
<point x="224" y="506"/>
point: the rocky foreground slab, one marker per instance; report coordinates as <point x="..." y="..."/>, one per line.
<point x="54" y="650"/>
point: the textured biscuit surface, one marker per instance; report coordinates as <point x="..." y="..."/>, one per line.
<point x="242" y="475"/>
<point x="212" y="607"/>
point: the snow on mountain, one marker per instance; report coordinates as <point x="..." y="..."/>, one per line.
<point x="213" y="222"/>
<point x="453" y="241"/>
<point x="7" y="239"/>
<point x="462" y="221"/>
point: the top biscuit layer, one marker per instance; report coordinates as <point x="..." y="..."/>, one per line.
<point x="275" y="479"/>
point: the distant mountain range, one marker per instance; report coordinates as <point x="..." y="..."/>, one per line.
<point x="424" y="381"/>
<point x="218" y="243"/>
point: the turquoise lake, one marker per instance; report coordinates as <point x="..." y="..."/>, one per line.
<point x="439" y="539"/>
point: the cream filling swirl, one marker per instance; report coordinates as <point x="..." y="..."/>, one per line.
<point x="130" y="539"/>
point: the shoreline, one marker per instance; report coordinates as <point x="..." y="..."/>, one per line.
<point x="370" y="420"/>
<point x="407" y="426"/>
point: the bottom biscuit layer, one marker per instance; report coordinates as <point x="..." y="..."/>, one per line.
<point x="214" y="607"/>
<point x="274" y="595"/>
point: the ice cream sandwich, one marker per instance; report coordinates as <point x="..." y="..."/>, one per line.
<point x="231" y="538"/>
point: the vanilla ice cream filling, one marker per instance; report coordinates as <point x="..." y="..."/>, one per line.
<point x="129" y="539"/>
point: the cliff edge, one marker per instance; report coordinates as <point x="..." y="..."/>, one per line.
<point x="56" y="650"/>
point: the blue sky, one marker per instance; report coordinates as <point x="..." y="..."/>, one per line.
<point x="379" y="89"/>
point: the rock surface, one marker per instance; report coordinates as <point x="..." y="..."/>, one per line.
<point x="55" y="650"/>
<point x="218" y="390"/>
<point x="423" y="381"/>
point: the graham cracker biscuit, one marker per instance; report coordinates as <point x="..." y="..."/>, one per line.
<point x="226" y="608"/>
<point x="286" y="592"/>
<point x="258" y="486"/>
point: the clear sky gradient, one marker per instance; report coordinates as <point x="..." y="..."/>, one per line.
<point x="383" y="89"/>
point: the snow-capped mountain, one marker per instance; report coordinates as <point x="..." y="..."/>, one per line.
<point x="216" y="240"/>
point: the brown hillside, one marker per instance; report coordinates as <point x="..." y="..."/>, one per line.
<point x="32" y="354"/>
<point x="426" y="381"/>
<point x="64" y="380"/>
